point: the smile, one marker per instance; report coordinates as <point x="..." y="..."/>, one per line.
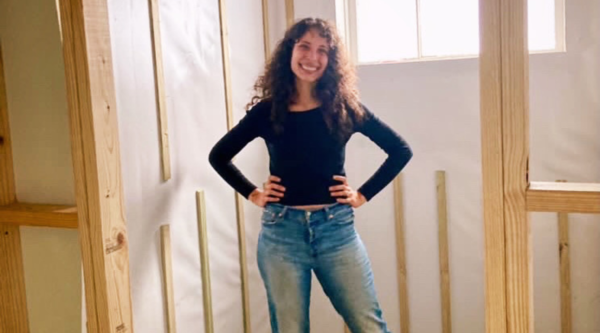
<point x="308" y="68"/>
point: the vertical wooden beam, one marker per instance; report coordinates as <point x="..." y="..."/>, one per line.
<point x="161" y="99"/>
<point x="13" y="304"/>
<point x="266" y="28"/>
<point x="97" y="165"/>
<point x="401" y="254"/>
<point x="505" y="151"/>
<point x="565" y="272"/>
<point x="239" y="200"/>
<point x="167" y="272"/>
<point x="289" y="13"/>
<point x="204" y="263"/>
<point x="443" y="252"/>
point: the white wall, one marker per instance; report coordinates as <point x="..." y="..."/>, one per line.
<point x="435" y="105"/>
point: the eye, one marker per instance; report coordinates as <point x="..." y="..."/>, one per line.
<point x="303" y="46"/>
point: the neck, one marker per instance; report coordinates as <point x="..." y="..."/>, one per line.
<point x="305" y="93"/>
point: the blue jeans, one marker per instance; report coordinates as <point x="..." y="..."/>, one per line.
<point x="295" y="242"/>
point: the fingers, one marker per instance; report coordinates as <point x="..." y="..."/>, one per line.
<point x="342" y="179"/>
<point x="273" y="190"/>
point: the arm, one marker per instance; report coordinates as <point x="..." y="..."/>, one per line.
<point x="398" y="151"/>
<point x="232" y="143"/>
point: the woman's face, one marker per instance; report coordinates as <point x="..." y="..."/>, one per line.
<point x="310" y="57"/>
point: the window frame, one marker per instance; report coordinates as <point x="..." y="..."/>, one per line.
<point x="347" y="23"/>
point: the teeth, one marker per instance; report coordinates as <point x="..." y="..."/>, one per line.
<point x="311" y="69"/>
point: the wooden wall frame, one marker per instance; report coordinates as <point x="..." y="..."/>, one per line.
<point x="507" y="194"/>
<point x="97" y="165"/>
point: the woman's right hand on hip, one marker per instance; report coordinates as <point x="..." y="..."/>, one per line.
<point x="272" y="192"/>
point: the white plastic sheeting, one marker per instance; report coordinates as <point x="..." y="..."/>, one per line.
<point x="435" y="105"/>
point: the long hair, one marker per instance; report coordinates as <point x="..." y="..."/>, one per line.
<point x="336" y="89"/>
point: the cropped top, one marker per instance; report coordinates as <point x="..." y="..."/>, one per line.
<point x="306" y="155"/>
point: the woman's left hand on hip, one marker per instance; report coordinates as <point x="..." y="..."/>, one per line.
<point x="345" y="194"/>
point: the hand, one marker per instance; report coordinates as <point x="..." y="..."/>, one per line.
<point x="272" y="192"/>
<point x="345" y="194"/>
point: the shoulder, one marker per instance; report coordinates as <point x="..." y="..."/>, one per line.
<point x="260" y="110"/>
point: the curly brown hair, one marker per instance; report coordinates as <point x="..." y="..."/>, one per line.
<point x="336" y="89"/>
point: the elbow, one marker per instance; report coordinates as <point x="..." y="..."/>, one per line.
<point x="402" y="155"/>
<point x="214" y="159"/>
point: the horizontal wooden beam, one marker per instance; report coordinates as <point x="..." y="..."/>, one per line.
<point x="563" y="197"/>
<point x="39" y="215"/>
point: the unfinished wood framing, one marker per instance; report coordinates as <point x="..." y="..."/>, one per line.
<point x="204" y="263"/>
<point x="401" y="254"/>
<point x="443" y="252"/>
<point x="97" y="165"/>
<point x="266" y="29"/>
<point x="167" y="273"/>
<point x="505" y="151"/>
<point x="161" y="98"/>
<point x="39" y="215"/>
<point x="239" y="200"/>
<point x="289" y="13"/>
<point x="13" y="307"/>
<point x="565" y="273"/>
<point x="563" y="197"/>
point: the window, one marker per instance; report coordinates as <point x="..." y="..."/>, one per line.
<point x="381" y="31"/>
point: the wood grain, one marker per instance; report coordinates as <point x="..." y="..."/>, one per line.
<point x="443" y="252"/>
<point x="204" y="263"/>
<point x="490" y="77"/>
<point x="159" y="79"/>
<point x="97" y="166"/>
<point x="515" y="145"/>
<point x="565" y="272"/>
<point x="39" y="215"/>
<point x="167" y="273"/>
<point x="401" y="254"/>
<point x="13" y="304"/>
<point x="563" y="197"/>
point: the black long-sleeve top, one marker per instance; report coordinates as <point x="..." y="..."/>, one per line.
<point x="306" y="155"/>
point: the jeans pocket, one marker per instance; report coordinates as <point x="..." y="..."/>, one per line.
<point x="270" y="217"/>
<point x="344" y="216"/>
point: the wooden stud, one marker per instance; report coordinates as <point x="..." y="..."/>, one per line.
<point x="443" y="252"/>
<point x="167" y="272"/>
<point x="505" y="151"/>
<point x="39" y="215"/>
<point x="289" y="13"/>
<point x="13" y="307"/>
<point x="266" y="28"/>
<point x="161" y="99"/>
<point x="565" y="272"/>
<point x="7" y="176"/>
<point x="401" y="254"/>
<point x="97" y="166"/>
<point x="564" y="197"/>
<point x="204" y="263"/>
<point x="491" y="153"/>
<point x="239" y="200"/>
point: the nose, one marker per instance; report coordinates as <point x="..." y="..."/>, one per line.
<point x="313" y="55"/>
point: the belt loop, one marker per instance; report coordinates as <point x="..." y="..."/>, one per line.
<point x="282" y="213"/>
<point x="327" y="212"/>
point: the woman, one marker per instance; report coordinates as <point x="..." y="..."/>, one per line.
<point x="306" y="108"/>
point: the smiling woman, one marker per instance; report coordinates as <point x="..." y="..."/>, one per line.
<point x="306" y="108"/>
